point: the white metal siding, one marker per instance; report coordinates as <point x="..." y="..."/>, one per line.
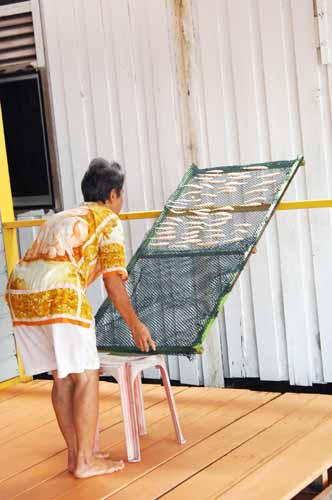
<point x="156" y="83"/>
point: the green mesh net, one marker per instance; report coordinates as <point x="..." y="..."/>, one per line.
<point x="182" y="273"/>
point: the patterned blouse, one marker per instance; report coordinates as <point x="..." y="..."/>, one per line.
<point x="71" y="250"/>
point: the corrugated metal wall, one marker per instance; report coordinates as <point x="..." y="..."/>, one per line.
<point x="263" y="95"/>
<point x="156" y="84"/>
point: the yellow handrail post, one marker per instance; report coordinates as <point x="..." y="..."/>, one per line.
<point x="9" y="234"/>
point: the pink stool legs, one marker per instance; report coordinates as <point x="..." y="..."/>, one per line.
<point x="129" y="414"/>
<point x="171" y="402"/>
<point x="139" y="403"/>
<point x="126" y="371"/>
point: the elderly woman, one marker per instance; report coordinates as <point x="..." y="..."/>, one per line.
<point x="52" y="318"/>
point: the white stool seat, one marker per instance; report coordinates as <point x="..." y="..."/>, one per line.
<point x="126" y="370"/>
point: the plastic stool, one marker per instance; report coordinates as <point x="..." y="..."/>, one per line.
<point x="126" y="370"/>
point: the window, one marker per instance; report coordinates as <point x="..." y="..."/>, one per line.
<point x="26" y="142"/>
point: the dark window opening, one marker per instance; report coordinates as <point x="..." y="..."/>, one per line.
<point x="26" y="141"/>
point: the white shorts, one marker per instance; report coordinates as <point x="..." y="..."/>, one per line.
<point x="63" y="347"/>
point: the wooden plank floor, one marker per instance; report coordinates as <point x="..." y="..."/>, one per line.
<point x="240" y="445"/>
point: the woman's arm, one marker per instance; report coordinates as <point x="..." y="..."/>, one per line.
<point x="117" y="293"/>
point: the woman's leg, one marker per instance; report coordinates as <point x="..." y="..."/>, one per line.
<point x="62" y="399"/>
<point x="85" y="416"/>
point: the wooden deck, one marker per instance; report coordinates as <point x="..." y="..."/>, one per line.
<point x="240" y="445"/>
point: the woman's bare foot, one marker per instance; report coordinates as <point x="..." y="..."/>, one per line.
<point x="101" y="454"/>
<point x="71" y="460"/>
<point x="97" y="467"/>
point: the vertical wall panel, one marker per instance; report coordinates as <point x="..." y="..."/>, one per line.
<point x="265" y="269"/>
<point x="58" y="102"/>
<point x="317" y="186"/>
<point x="283" y="144"/>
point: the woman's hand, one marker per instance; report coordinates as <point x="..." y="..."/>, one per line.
<point x="119" y="296"/>
<point x="142" y="337"/>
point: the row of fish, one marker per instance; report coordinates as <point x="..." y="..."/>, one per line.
<point x="197" y="220"/>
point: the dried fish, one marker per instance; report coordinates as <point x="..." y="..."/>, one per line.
<point x="243" y="224"/>
<point x="191" y="241"/>
<point x="176" y="211"/>
<point x="266" y="183"/>
<point x="207" y="185"/>
<point x="242" y="231"/>
<point x="203" y="205"/>
<point x="252" y="204"/>
<point x="166" y="232"/>
<point x="207" y="244"/>
<point x="169" y="223"/>
<point x="178" y="219"/>
<point x="165" y="237"/>
<point x="256" y="167"/>
<point x="212" y="180"/>
<point x="161" y="244"/>
<point x="191" y="233"/>
<point x="238" y="175"/>
<point x="227" y="208"/>
<point x="233" y="240"/>
<point x="272" y="174"/>
<point x="230" y="189"/>
<point x="225" y="219"/>
<point x="216" y="236"/>
<point x="218" y="212"/>
<point x="216" y="231"/>
<point x="216" y="225"/>
<point x="201" y="212"/>
<point x="210" y="174"/>
<point x="257" y="199"/>
<point x="197" y="216"/>
<point x="190" y="192"/>
<point x="179" y="206"/>
<point x="260" y="190"/>
<point x="235" y="183"/>
<point x="216" y="181"/>
<point x="162" y="231"/>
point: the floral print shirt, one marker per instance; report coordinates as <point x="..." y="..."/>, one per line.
<point x="71" y="250"/>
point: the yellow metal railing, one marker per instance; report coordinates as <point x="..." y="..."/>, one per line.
<point x="153" y="214"/>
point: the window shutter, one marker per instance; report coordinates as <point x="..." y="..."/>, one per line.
<point x="20" y="40"/>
